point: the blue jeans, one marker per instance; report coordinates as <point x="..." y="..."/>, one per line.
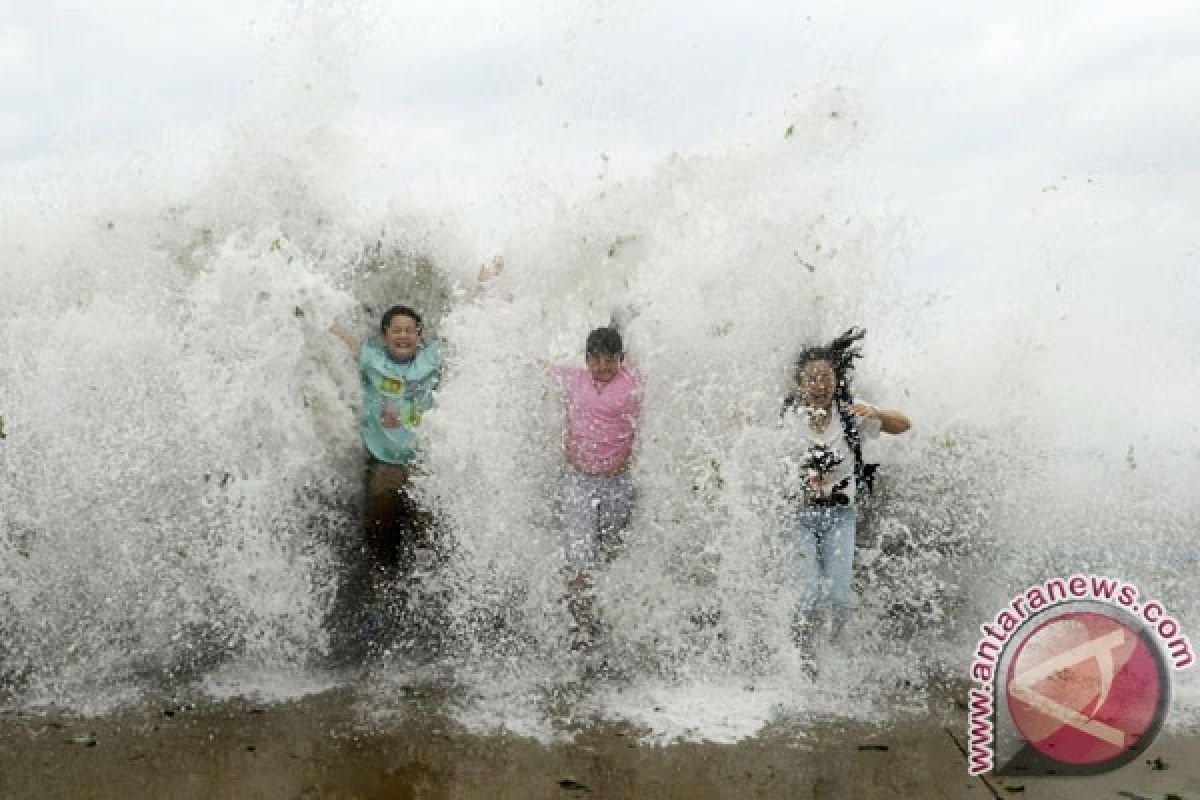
<point x="821" y="541"/>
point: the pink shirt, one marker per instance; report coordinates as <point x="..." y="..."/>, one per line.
<point x="601" y="418"/>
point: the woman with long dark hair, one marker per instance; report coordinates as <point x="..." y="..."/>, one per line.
<point x="826" y="425"/>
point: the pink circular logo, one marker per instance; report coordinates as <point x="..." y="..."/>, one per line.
<point x="1084" y="688"/>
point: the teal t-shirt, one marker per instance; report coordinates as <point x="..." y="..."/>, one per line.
<point x="395" y="395"/>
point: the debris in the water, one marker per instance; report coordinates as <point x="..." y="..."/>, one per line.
<point x="573" y="786"/>
<point x="87" y="740"/>
<point x="803" y="263"/>
<point x="1157" y="763"/>
<point x="882" y="748"/>
<point x="1015" y="789"/>
<point x="3" y="435"/>
<point x="791" y="129"/>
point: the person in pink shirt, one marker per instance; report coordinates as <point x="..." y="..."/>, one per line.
<point x="603" y="403"/>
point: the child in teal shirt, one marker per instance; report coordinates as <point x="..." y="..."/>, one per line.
<point x="399" y="374"/>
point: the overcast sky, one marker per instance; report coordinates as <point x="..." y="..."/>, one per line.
<point x="1061" y="131"/>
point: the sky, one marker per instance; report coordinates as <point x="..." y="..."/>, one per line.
<point x="1059" y="135"/>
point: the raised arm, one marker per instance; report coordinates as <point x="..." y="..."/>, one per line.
<point x="352" y="341"/>
<point x="487" y="272"/>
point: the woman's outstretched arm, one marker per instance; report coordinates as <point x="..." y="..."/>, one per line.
<point x="890" y="420"/>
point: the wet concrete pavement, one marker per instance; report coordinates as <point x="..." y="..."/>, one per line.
<point x="325" y="747"/>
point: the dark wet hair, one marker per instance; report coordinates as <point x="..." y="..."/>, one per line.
<point x="396" y="311"/>
<point x="841" y="354"/>
<point x="604" y="342"/>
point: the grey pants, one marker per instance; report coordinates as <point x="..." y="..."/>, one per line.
<point x="595" y="510"/>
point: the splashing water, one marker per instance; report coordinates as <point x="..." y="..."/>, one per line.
<point x="181" y="467"/>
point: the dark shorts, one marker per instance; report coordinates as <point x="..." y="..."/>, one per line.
<point x="393" y="523"/>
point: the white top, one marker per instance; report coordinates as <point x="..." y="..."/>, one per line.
<point x="800" y="437"/>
